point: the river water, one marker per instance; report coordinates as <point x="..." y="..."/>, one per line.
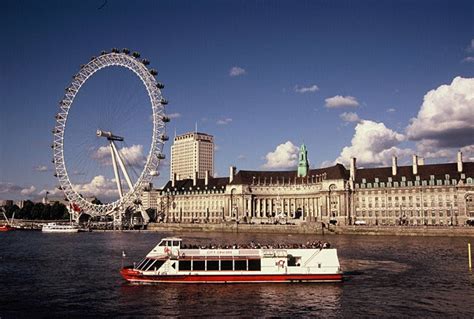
<point x="77" y="275"/>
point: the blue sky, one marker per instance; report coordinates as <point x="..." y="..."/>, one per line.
<point x="330" y="74"/>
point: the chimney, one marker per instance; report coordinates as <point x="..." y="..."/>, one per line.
<point x="459" y="162"/>
<point x="421" y="161"/>
<point x="231" y="173"/>
<point x="173" y="180"/>
<point x="394" y="165"/>
<point x="353" y="168"/>
<point x="415" y="164"/>
<point x="206" y="178"/>
<point x="195" y="178"/>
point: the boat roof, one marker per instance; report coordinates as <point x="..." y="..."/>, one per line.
<point x="171" y="238"/>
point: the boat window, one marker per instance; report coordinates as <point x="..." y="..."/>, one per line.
<point x="184" y="265"/>
<point x="255" y="264"/>
<point x="240" y="265"/>
<point x="212" y="265"/>
<point x="176" y="243"/>
<point x="149" y="266"/>
<point x="145" y="264"/>
<point x="141" y="263"/>
<point x="163" y="243"/>
<point x="156" y="265"/>
<point x="199" y="265"/>
<point x="294" y="261"/>
<point x="226" y="265"/>
<point x="291" y="261"/>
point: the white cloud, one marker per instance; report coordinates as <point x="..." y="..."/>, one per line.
<point x="28" y="191"/>
<point x="241" y="157"/>
<point x="41" y="168"/>
<point x="470" y="48"/>
<point x="224" y="121"/>
<point x="173" y="115"/>
<point x="99" y="186"/>
<point x="468" y="59"/>
<point x="308" y="89"/>
<point x="13" y="191"/>
<point x="52" y="192"/>
<point x="350" y="117"/>
<point x="391" y="110"/>
<point x="284" y="156"/>
<point x="9" y="188"/>
<point x="341" y="101"/>
<point x="373" y="144"/>
<point x="132" y="155"/>
<point x="237" y="71"/>
<point x="446" y="118"/>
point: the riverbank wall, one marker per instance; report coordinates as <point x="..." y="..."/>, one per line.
<point x="448" y="231"/>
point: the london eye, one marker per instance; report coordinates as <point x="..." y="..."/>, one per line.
<point x="108" y="141"/>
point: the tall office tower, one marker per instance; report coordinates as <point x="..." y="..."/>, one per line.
<point x="190" y="153"/>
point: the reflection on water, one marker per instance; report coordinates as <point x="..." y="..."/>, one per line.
<point x="76" y="274"/>
<point x="234" y="300"/>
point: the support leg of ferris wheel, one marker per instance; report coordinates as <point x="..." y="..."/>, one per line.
<point x="118" y="214"/>
<point x="116" y="173"/>
<point x="116" y="157"/>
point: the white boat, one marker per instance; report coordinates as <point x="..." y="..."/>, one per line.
<point x="172" y="262"/>
<point x="58" y="228"/>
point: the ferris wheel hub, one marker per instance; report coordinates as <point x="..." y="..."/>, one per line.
<point x="109" y="136"/>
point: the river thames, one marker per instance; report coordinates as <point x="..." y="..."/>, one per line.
<point x="76" y="275"/>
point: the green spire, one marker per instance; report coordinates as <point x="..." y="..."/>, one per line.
<point x="303" y="165"/>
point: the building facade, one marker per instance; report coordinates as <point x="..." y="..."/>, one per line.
<point x="192" y="153"/>
<point x="435" y="194"/>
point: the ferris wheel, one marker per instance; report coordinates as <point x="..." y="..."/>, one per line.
<point x="128" y="189"/>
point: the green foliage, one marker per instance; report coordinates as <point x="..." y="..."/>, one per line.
<point x="40" y="211"/>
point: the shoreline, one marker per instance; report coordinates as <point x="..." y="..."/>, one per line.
<point x="304" y="228"/>
<point x="433" y="231"/>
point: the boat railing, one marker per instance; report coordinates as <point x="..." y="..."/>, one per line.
<point x="218" y="252"/>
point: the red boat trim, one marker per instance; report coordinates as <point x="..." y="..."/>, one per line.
<point x="137" y="276"/>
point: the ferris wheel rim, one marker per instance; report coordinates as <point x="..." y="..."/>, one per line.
<point x="147" y="77"/>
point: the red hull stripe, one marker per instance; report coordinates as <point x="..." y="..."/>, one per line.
<point x="132" y="275"/>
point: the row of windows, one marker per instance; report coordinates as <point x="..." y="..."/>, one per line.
<point x="431" y="182"/>
<point x="448" y="213"/>
<point x="410" y="204"/>
<point x="404" y="198"/>
<point x="407" y="191"/>
<point x="220" y="265"/>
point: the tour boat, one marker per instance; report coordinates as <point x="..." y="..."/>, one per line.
<point x="58" y="228"/>
<point x="9" y="224"/>
<point x="172" y="262"/>
<point x="6" y="228"/>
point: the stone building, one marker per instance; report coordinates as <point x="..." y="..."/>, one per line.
<point x="435" y="194"/>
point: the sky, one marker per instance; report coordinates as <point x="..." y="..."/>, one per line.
<point x="364" y="79"/>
